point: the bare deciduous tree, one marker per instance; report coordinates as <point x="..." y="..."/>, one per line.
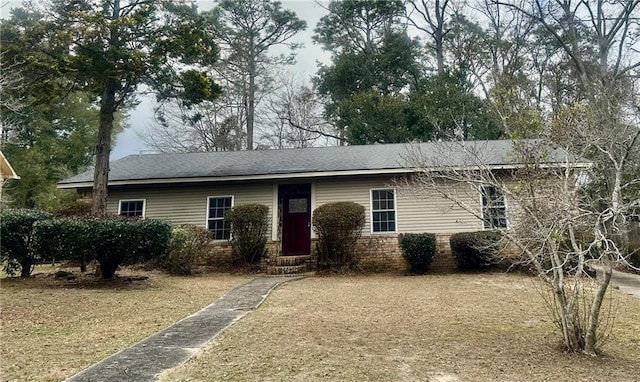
<point x="561" y="222"/>
<point x="295" y="115"/>
<point x="10" y="101"/>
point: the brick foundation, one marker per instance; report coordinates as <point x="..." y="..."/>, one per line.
<point x="377" y="253"/>
<point x="219" y="255"/>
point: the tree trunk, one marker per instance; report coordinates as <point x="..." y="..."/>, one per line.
<point x="251" y="104"/>
<point x="103" y="150"/>
<point x="26" y="268"/>
<point x="594" y="313"/>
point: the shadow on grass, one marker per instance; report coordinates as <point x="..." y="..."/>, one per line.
<point x="129" y="280"/>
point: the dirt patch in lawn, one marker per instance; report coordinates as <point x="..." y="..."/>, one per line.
<point x="428" y="328"/>
<point x="52" y="328"/>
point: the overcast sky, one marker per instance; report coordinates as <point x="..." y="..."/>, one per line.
<point x="141" y="118"/>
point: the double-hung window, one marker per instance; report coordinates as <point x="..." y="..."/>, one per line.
<point x="383" y="210"/>
<point x="131" y="208"/>
<point x="217" y="207"/>
<point x="494" y="208"/>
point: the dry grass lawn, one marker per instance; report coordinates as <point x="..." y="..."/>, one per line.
<point x="489" y="327"/>
<point x="51" y="329"/>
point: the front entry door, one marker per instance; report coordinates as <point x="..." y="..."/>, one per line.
<point x="295" y="200"/>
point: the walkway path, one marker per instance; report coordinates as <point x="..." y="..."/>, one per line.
<point x="627" y="282"/>
<point x="176" y="344"/>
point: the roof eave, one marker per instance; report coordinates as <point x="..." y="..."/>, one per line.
<point x="215" y="179"/>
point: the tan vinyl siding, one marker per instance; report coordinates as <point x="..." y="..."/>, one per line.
<point x="416" y="210"/>
<point x="189" y="205"/>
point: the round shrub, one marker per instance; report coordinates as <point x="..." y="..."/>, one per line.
<point x="17" y="251"/>
<point x="475" y="251"/>
<point x="419" y="250"/>
<point x="249" y="224"/>
<point x="188" y="244"/>
<point x="339" y="226"/>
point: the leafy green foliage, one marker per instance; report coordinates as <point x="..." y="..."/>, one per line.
<point x="374" y="61"/>
<point x="419" y="250"/>
<point x="377" y="88"/>
<point x="188" y="245"/>
<point x="113" y="241"/>
<point x="106" y="50"/>
<point x="445" y="108"/>
<point x="249" y="223"/>
<point x="49" y="142"/>
<point x="17" y="251"/>
<point x="339" y="226"/>
<point x="475" y="251"/>
<point x="62" y="239"/>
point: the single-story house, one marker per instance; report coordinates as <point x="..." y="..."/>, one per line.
<point x="6" y="172"/>
<point x="198" y="188"/>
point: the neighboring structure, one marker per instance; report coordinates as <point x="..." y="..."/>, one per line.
<point x="6" y="172"/>
<point x="198" y="188"/>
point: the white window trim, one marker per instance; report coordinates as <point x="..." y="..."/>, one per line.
<point x="506" y="209"/>
<point x="395" y="210"/>
<point x="144" y="205"/>
<point x="206" y="215"/>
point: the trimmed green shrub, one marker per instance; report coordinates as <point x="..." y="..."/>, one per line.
<point x="17" y="251"/>
<point x="62" y="239"/>
<point x="188" y="245"/>
<point x="113" y="241"/>
<point x="152" y="238"/>
<point x="419" y="250"/>
<point x="79" y="209"/>
<point x="339" y="226"/>
<point x="475" y="251"/>
<point x="249" y="223"/>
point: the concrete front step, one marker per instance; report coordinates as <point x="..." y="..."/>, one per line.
<point x="283" y="261"/>
<point x="287" y="269"/>
<point x="289" y="265"/>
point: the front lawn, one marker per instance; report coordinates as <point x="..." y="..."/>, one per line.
<point x="52" y="329"/>
<point x="487" y="327"/>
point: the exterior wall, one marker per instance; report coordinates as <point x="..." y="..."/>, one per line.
<point x="188" y="205"/>
<point x="416" y="211"/>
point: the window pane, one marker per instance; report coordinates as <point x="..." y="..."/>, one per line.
<point x="383" y="211"/>
<point x="131" y="208"/>
<point x="218" y="207"/>
<point x="493" y="208"/>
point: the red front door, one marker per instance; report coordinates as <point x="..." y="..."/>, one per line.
<point x="296" y="218"/>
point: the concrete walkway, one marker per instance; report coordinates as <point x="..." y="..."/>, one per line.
<point x="628" y="283"/>
<point x="176" y="344"/>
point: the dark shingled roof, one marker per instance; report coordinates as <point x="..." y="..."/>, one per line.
<point x="370" y="158"/>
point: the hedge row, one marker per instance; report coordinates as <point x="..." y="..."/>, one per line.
<point x="27" y="236"/>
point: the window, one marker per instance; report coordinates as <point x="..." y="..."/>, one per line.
<point x="494" y="209"/>
<point x="383" y="210"/>
<point x="131" y="208"/>
<point x="216" y="209"/>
